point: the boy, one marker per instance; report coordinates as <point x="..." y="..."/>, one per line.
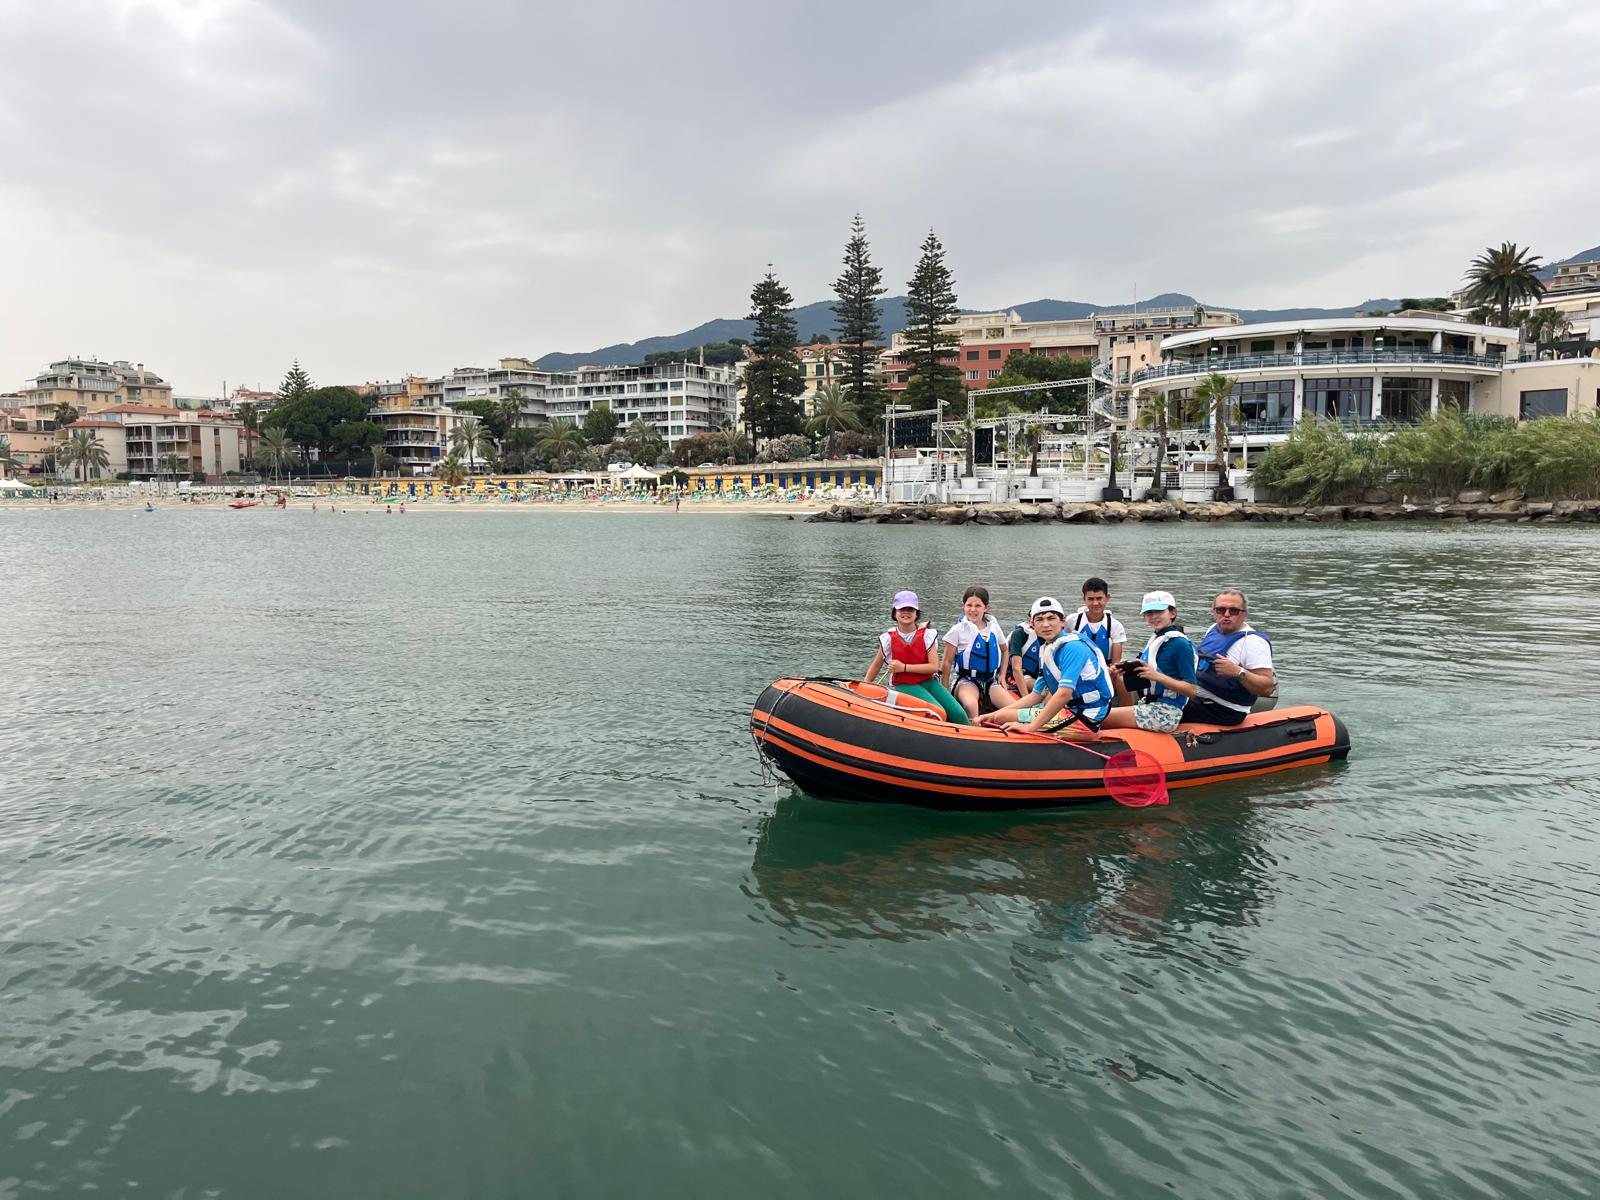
<point x="1094" y="624"/>
<point x="1071" y="672"/>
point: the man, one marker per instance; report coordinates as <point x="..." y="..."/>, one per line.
<point x="1095" y="625"/>
<point x="1235" y="665"/>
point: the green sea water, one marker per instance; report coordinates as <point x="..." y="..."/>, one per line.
<point x="429" y="856"/>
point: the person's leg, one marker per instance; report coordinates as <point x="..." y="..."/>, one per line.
<point x="1000" y="697"/>
<point x="1200" y="711"/>
<point x="940" y="695"/>
<point x="966" y="693"/>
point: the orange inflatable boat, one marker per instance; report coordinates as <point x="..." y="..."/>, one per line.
<point x="842" y="740"/>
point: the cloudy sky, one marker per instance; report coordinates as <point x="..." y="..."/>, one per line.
<point x="215" y="187"/>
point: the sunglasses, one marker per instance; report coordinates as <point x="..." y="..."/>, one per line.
<point x="1225" y="610"/>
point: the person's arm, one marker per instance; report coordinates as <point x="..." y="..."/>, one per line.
<point x="1184" y="687"/>
<point x="1258" y="681"/>
<point x="1119" y="638"/>
<point x="948" y="656"/>
<point x="877" y="665"/>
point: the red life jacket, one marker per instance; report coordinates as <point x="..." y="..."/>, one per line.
<point x="917" y="652"/>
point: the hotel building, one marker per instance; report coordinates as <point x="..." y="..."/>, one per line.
<point x="679" y="398"/>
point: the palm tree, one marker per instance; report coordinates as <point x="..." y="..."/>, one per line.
<point x="450" y="470"/>
<point x="1213" y="396"/>
<point x="1032" y="440"/>
<point x="509" y="410"/>
<point x="833" y="413"/>
<point x="381" y="458"/>
<point x="1546" y="325"/>
<point x="734" y="441"/>
<point x="170" y="465"/>
<point x="472" y="439"/>
<point x="1503" y="277"/>
<point x="274" y="451"/>
<point x="250" y="415"/>
<point x="8" y="460"/>
<point x="1158" y="410"/>
<point x="83" y="451"/>
<point x="560" y="441"/>
<point x="643" y="442"/>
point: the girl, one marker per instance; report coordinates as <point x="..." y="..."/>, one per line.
<point x="910" y="651"/>
<point x="977" y="655"/>
<point x="1167" y="664"/>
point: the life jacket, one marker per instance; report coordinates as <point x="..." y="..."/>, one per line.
<point x="1091" y="697"/>
<point x="979" y="659"/>
<point x="1030" y="651"/>
<point x="1228" y="690"/>
<point x="915" y="652"/>
<point x="1100" y="639"/>
<point x="1160" y="693"/>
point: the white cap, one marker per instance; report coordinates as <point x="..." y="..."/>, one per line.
<point x="1157" y="601"/>
<point x="1046" y="604"/>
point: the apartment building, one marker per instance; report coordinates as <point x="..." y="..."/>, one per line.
<point x="168" y="441"/>
<point x="416" y="422"/>
<point x="680" y="399"/>
<point x="90" y="385"/>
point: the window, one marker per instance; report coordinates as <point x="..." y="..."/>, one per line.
<point x="1543" y="402"/>
<point x="1339" y="399"/>
<point x="994" y="373"/>
<point x="972" y="375"/>
<point x="972" y="356"/>
<point x="1263" y="347"/>
<point x="1265" y="401"/>
<point x="994" y="354"/>
<point x="1406" y="400"/>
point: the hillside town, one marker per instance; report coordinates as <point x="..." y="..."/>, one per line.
<point x="1029" y="409"/>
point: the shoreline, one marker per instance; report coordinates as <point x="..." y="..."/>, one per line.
<point x="1501" y="508"/>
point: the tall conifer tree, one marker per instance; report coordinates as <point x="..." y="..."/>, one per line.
<point x="858" y="324"/>
<point x="296" y="384"/>
<point x="930" y="309"/>
<point x="773" y="381"/>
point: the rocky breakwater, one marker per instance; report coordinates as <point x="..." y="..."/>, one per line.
<point x="1375" y="505"/>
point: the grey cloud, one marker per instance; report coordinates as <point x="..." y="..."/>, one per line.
<point x="246" y="181"/>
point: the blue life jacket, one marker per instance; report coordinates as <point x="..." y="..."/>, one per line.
<point x="1064" y="663"/>
<point x="1101" y="639"/>
<point x="1228" y="688"/>
<point x="1159" y="693"/>
<point x="980" y="659"/>
<point x="1030" y="652"/>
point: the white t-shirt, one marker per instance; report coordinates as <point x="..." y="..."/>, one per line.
<point x="1252" y="654"/>
<point x="963" y="633"/>
<point x="1080" y="620"/>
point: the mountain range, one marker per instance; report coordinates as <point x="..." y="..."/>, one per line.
<point x="818" y="318"/>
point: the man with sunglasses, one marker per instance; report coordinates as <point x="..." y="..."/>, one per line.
<point x="1235" y="665"/>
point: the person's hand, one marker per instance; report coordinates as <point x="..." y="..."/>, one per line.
<point x="1018" y="727"/>
<point x="1226" y="667"/>
<point x="1143" y="669"/>
<point x="896" y="666"/>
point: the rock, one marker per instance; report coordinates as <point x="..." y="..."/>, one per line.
<point x="1376" y="495"/>
<point x="1114" y="510"/>
<point x="949" y="514"/>
<point x="917" y="512"/>
<point x="1455" y="521"/>
<point x="1505" y="510"/>
<point x="1509" y="494"/>
<point x="1161" y="512"/>
<point x="1471" y="497"/>
<point x="1075" y="512"/>
<point x="1326" y="512"/>
<point x="1540" y="508"/>
<point x="1294" y="512"/>
<point x="998" y="514"/>
<point x="1578" y="510"/>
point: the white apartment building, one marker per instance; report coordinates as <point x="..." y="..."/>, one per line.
<point x="90" y="385"/>
<point x="680" y="399"/>
<point x="492" y="383"/>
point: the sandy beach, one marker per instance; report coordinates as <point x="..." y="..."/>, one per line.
<point x="70" y="500"/>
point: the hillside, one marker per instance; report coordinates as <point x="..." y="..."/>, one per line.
<point x="818" y="318"/>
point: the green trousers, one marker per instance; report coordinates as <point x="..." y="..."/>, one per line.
<point x="935" y="691"/>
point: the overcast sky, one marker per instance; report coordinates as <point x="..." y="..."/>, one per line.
<point x="216" y="187"/>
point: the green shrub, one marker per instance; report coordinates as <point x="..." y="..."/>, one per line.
<point x="1320" y="462"/>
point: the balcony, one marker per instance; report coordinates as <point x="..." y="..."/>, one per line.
<point x="1317" y="358"/>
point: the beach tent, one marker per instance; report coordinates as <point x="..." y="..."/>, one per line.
<point x="638" y="472"/>
<point x="15" y="485"/>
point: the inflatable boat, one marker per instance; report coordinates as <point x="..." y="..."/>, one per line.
<point x="841" y="740"/>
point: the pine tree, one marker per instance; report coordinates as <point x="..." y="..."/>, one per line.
<point x="858" y="324"/>
<point x="773" y="381"/>
<point x="930" y="309"/>
<point x="295" y="384"/>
